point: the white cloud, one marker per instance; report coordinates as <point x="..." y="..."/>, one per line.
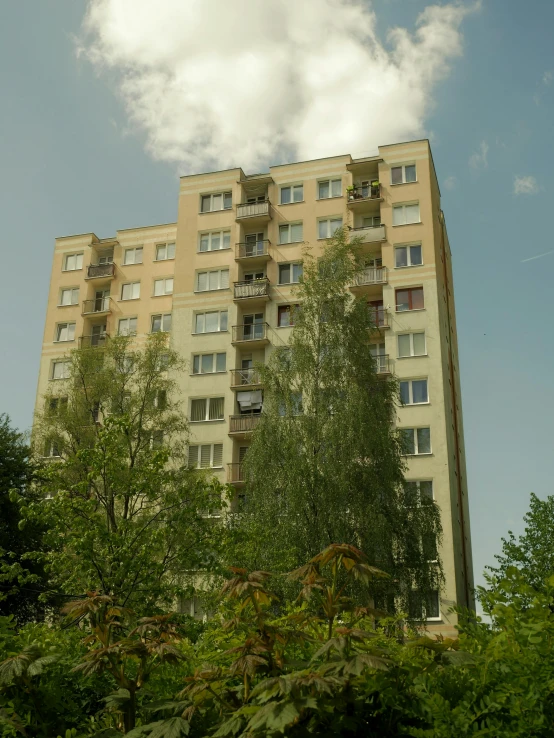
<point x="450" y="183"/>
<point x="218" y="84"/>
<point x="479" y="160"/>
<point x="548" y="77"/>
<point x="525" y="186"/>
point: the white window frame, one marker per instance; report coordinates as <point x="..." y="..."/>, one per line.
<point x="166" y="251"/>
<point x="65" y="373"/>
<point x="408" y="247"/>
<point x="414" y="430"/>
<point x="78" y="261"/>
<point x="207" y="418"/>
<point x="328" y="222"/>
<point x="411" y="393"/>
<point x="164" y="281"/>
<point x="411" y="355"/>
<point x="132" y="285"/>
<point x="291" y="264"/>
<point x="128" y="321"/>
<point x="198" y="464"/>
<point x="402" y="167"/>
<point x="163" y="317"/>
<point x="294" y="188"/>
<point x="137" y="252"/>
<point x="219" y="280"/>
<point x="437" y="618"/>
<point x="418" y="482"/>
<point x="402" y="206"/>
<point x="224" y="238"/>
<point x="331" y="181"/>
<point x="289" y="227"/>
<point x="214" y="355"/>
<point x="69" y="327"/>
<point x="212" y="195"/>
<point x="206" y="312"/>
<point x="74" y="295"/>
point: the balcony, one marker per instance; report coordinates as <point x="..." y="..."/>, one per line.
<point x="360" y="196"/>
<point x="242" y="425"/>
<point x="253" y="334"/>
<point x="382" y="364"/>
<point x="253" y="251"/>
<point x="254" y="290"/>
<point x="369" y="234"/>
<point x="370" y="276"/>
<point x="379" y="318"/>
<point x="93" y="341"/>
<point x="254" y="212"/>
<point x="98" y="306"/>
<point x="106" y="271"/>
<point x="245" y="378"/>
<point x="235" y="474"/>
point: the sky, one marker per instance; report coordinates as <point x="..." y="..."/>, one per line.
<point x="105" y="103"/>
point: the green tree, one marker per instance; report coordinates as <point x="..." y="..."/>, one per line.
<point x="126" y="517"/>
<point x="326" y="462"/>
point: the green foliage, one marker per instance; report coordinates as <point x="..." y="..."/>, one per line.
<point x="330" y="468"/>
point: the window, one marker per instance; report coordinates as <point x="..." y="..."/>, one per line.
<point x="371" y="221"/>
<point x="413" y="391"/>
<point x="163" y="286"/>
<point x="209" y="363"/>
<point x="161" y="323"/>
<point x="411" y="344"/>
<point x="401" y="175"/>
<point x="206" y="456"/>
<point x="127" y="326"/>
<point x="56" y="405"/>
<point x="52" y="449"/>
<point x="160" y="400"/>
<point x="409" y="299"/>
<point x="217" y="279"/>
<point x="163" y="362"/>
<point x="290" y="273"/>
<point x="60" y="369"/>
<point x="165" y="251"/>
<point x="416" y="441"/>
<point x="130" y="291"/>
<point x="216" y="201"/>
<point x="156" y="438"/>
<point x="295" y="405"/>
<point x="73" y="262"/>
<point x="291" y="233"/>
<point x="418" y="493"/>
<point x="133" y="256"/>
<point x="285" y="315"/>
<point x="210" y="322"/>
<point x="424" y="606"/>
<point x="207" y="408"/>
<point x="215" y="241"/>
<point x="405" y="256"/>
<point x="292" y="193"/>
<point x="69" y="296"/>
<point x="404" y="214"/>
<point x="65" y="332"/>
<point x="327" y="228"/>
<point x="329" y="188"/>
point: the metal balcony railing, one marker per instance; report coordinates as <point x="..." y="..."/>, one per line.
<point x="98" y="305"/>
<point x="252" y="288"/>
<point x="235" y="473"/>
<point x="382" y="364"/>
<point x="365" y="192"/>
<point x="252" y="249"/>
<point x="244" y="377"/>
<point x="253" y="209"/>
<point x="100" y="270"/>
<point x="379" y="317"/>
<point x="250" y="332"/>
<point x="243" y="423"/>
<point x="370" y="275"/>
<point x="93" y="341"/>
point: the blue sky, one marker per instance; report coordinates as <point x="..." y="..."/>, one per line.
<point x="74" y="159"/>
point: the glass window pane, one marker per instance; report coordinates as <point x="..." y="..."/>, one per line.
<point x="216" y="241"/>
<point x="404" y="345"/>
<point x="424" y="440"/>
<point x="405" y="393"/>
<point x="199" y="327"/>
<point x="79" y="261"/>
<point x="411" y="493"/>
<point x="160" y="253"/>
<point x="136" y="290"/>
<point x="324" y="189"/>
<point x="156" y="323"/>
<point x="213" y="281"/>
<point x="227" y="200"/>
<point x="169" y="286"/>
<point x="218" y="455"/>
<point x="419" y="344"/>
<point x="129" y="256"/>
<point x="193" y="456"/>
<point x="138" y="255"/>
<point x="296" y="232"/>
<point x="415" y="255"/>
<point x="224" y="279"/>
<point x="402" y="300"/>
<point x="205" y="456"/>
<point x="412" y="213"/>
<point x="283" y="316"/>
<point x="426" y="491"/>
<point x="217" y="202"/>
<point x="211" y="322"/>
<point x="432" y="605"/>
<point x="158" y="287"/>
<point x="396" y="175"/>
<point x="419" y="390"/>
<point x="206" y="203"/>
<point x="285" y="195"/>
<point x="223" y="320"/>
<point x="170" y="250"/>
<point x="407" y="440"/>
<point x="207" y="363"/>
<point x="322" y="228"/>
<point x="336" y="223"/>
<point x="417" y="298"/>
<point x="398" y="215"/>
<point x="166" y="325"/>
<point x="298" y="193"/>
<point x="196" y="364"/>
<point x="198" y="410"/>
<point x="410" y="173"/>
<point x="284" y="234"/>
<point x="216" y="408"/>
<point x="296" y="272"/>
<point x="401" y="256"/>
<point x="202" y="281"/>
<point x="226" y="240"/>
<point x="204" y="242"/>
<point x="284" y="273"/>
<point x="221" y="362"/>
<point x="336" y="187"/>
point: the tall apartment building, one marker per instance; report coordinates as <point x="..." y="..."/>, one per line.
<point x="221" y="281"/>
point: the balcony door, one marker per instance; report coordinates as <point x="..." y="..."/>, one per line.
<point x="378" y="353"/>
<point x="101" y="300"/>
<point x="98" y="334"/>
<point x="254" y="244"/>
<point x="246" y="370"/>
<point x="377" y="310"/>
<point x="253" y="326"/>
<point x="256" y="198"/>
<point x="254" y="276"/>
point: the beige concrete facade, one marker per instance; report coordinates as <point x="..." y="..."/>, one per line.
<point x="231" y="301"/>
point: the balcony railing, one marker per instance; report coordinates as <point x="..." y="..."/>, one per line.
<point x="100" y="270"/>
<point x="369" y="234"/>
<point x="235" y="473"/>
<point x="98" y="305"/>
<point x="243" y="423"/>
<point x="252" y="288"/>
<point x="382" y="364"/>
<point x="379" y="317"/>
<point x="93" y="341"/>
<point x="252" y="249"/>
<point x="250" y="332"/>
<point x="365" y="192"/>
<point x="254" y="210"/>
<point x="370" y="275"/>
<point x="245" y="377"/>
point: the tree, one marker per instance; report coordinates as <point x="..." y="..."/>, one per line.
<point x="326" y="462"/>
<point x="127" y="518"/>
<point x="22" y="577"/>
